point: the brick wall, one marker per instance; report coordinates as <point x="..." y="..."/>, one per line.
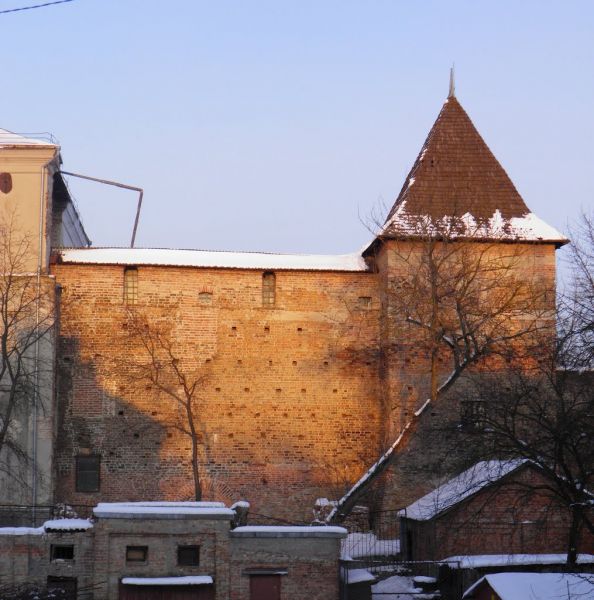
<point x="298" y="398"/>
<point x="290" y="409"/>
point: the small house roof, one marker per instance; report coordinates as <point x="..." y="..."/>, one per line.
<point x="464" y="485"/>
<point x="456" y="183"/>
<point x="544" y="586"/>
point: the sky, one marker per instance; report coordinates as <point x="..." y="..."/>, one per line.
<point x="281" y="126"/>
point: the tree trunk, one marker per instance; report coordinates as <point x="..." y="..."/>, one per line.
<point x="574" y="529"/>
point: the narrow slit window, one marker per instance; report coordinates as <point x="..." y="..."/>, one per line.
<point x="130" y="285"/>
<point x="268" y="289"/>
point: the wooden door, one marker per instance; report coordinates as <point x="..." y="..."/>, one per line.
<point x="265" y="587"/>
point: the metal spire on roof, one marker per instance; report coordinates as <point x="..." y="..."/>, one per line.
<point x="452" y="92"/>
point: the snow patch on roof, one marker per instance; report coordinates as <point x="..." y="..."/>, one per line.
<point x="457" y="489"/>
<point x="188" y="580"/>
<point x="213" y="259"/>
<point x="68" y="525"/>
<point x="477" y="561"/>
<point x="148" y="509"/>
<point x="545" y="586"/>
<point x="291" y="530"/>
<point x="529" y="227"/>
<point x="8" y="138"/>
<point x="22" y="531"/>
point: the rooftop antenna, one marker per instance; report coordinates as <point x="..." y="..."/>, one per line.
<point x="452" y="92"/>
<point x="120" y="185"/>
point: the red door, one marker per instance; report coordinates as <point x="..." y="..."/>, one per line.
<point x="265" y="587"/>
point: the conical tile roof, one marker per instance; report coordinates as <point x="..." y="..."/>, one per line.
<point x="457" y="183"/>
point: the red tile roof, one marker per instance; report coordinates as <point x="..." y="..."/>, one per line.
<point x="456" y="175"/>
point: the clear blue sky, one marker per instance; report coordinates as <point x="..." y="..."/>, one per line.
<point x="275" y="125"/>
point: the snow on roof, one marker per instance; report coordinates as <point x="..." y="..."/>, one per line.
<point x="67" y="525"/>
<point x="213" y="259"/>
<point x="288" y="531"/>
<point x="22" y="531"/>
<point x="457" y="489"/>
<point x="528" y="227"/>
<point x="240" y="504"/>
<point x="544" y="586"/>
<point x="478" y="561"/>
<point x="8" y="138"/>
<point x="187" y="580"/>
<point x="162" y="510"/>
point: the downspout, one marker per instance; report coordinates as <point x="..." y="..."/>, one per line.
<point x="42" y="196"/>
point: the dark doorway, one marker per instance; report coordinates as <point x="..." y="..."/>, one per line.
<point x="64" y="587"/>
<point x="265" y="587"/>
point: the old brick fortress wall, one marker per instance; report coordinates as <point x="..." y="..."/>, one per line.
<point x="291" y="406"/>
<point x="299" y="397"/>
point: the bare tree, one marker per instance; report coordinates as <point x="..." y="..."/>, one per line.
<point x="466" y="301"/>
<point x="546" y="417"/>
<point x="155" y="359"/>
<point x="576" y="323"/>
<point x="27" y="318"/>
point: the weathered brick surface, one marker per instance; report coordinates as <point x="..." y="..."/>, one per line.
<point x="290" y="406"/>
<point x="311" y="565"/>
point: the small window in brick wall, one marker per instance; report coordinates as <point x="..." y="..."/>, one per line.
<point x="205" y="297"/>
<point x="473" y="414"/>
<point x="136" y="554"/>
<point x="188" y="556"/>
<point x="130" y="285"/>
<point x="364" y="302"/>
<point x="62" y="552"/>
<point x="87" y="473"/>
<point x="268" y="288"/>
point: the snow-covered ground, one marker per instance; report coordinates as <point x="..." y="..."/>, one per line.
<point x="398" y="587"/>
<point x="363" y="545"/>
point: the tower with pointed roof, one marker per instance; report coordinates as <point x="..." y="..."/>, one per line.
<point x="456" y="193"/>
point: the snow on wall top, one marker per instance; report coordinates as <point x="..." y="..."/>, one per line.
<point x="547" y="586"/>
<point x="457" y="489"/>
<point x="8" y="138"/>
<point x="477" y="561"/>
<point x="213" y="259"/>
<point x="187" y="580"/>
<point x="68" y="525"/>
<point x="162" y="510"/>
<point x="528" y="227"/>
<point x="288" y="531"/>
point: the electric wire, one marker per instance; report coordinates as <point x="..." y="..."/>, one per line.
<point x="12" y="10"/>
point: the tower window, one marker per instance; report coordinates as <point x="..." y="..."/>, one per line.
<point x="268" y="289"/>
<point x="87" y="473"/>
<point x="473" y="414"/>
<point x="130" y="285"/>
